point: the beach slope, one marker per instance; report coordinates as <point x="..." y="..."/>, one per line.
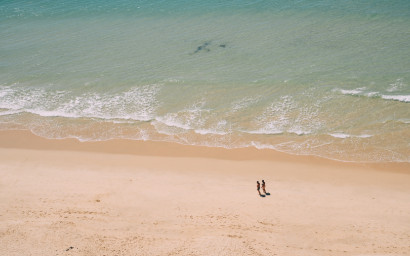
<point x="64" y="197"/>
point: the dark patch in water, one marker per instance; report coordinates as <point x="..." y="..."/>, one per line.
<point x="204" y="46"/>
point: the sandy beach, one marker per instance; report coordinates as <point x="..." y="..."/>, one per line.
<point x="119" y="197"/>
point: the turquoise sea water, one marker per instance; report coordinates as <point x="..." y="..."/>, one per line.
<point x="328" y="78"/>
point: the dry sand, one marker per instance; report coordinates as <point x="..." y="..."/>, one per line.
<point x="63" y="197"/>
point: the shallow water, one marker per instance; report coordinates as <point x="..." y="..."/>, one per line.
<point x="326" y="78"/>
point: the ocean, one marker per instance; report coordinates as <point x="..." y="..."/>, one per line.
<point x="308" y="77"/>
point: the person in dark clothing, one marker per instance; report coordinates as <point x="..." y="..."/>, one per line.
<point x="263" y="186"/>
<point x="258" y="187"/>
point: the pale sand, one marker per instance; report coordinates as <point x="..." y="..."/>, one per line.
<point x="63" y="197"/>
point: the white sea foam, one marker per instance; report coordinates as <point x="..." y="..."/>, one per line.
<point x="276" y="117"/>
<point x="53" y="113"/>
<point x="189" y="118"/>
<point x="4" y="91"/>
<point x="192" y="118"/>
<point x="372" y="94"/>
<point x="137" y="103"/>
<point x="162" y="128"/>
<point x="345" y="135"/>
<point x="287" y="116"/>
<point x="170" y="121"/>
<point x="9" y="112"/>
<point x="402" y="98"/>
<point x="259" y="145"/>
<point x="364" y="136"/>
<point x="15" y="99"/>
<point x="218" y="129"/>
<point x="356" y="91"/>
<point x="361" y="92"/>
<point x="299" y="132"/>
<point x="243" y="103"/>
<point x="340" y="135"/>
<point x="209" y="131"/>
<point x="397" y="85"/>
<point x="404" y="121"/>
<point x="267" y="131"/>
<point x="276" y="131"/>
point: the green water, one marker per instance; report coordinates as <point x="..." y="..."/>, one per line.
<point x="327" y="78"/>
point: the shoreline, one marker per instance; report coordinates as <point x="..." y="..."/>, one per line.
<point x="65" y="197"/>
<point x="20" y="138"/>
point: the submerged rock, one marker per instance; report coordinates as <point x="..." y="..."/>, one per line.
<point x="206" y="47"/>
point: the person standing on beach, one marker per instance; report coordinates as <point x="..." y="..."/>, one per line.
<point x="263" y="186"/>
<point x="258" y="187"/>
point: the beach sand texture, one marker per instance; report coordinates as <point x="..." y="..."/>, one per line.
<point x="63" y="197"/>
